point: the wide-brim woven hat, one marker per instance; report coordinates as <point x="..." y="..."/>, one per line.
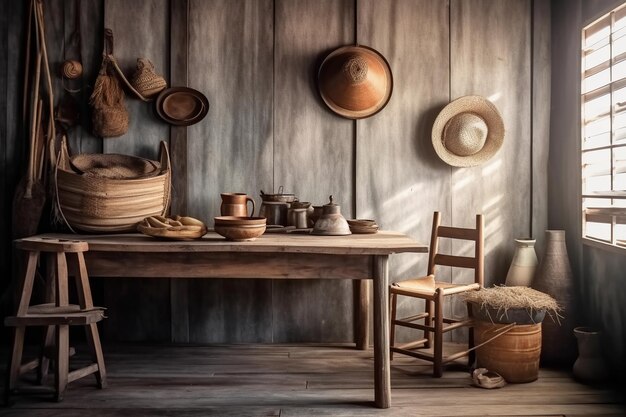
<point x="355" y="81"/>
<point x="468" y="131"/>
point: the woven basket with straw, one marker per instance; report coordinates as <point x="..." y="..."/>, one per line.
<point x="145" y="80"/>
<point x="99" y="204"/>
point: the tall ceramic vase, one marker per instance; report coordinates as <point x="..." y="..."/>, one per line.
<point x="554" y="277"/>
<point x="524" y="264"/>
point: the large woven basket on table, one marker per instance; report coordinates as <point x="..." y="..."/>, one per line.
<point x="108" y="205"/>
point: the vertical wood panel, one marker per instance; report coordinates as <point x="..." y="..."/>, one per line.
<point x="400" y="179"/>
<point x="493" y="60"/>
<point x="179" y="52"/>
<point x="140" y="30"/>
<point x="12" y="139"/>
<point x="139" y="309"/>
<point x="230" y="61"/>
<point x="92" y="26"/>
<point x="313" y="156"/>
<point x="541" y="119"/>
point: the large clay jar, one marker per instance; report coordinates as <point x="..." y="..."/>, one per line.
<point x="554" y="277"/>
<point x="524" y="264"/>
<point x="590" y="366"/>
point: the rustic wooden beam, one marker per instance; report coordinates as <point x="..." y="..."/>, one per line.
<point x="179" y="53"/>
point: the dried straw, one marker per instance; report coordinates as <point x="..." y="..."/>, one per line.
<point x="504" y="298"/>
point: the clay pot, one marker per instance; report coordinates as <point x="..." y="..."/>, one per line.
<point x="589" y="366"/>
<point x="524" y="264"/>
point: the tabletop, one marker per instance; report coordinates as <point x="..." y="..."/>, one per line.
<point x="381" y="243"/>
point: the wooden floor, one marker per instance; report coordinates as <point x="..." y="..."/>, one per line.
<point x="286" y="380"/>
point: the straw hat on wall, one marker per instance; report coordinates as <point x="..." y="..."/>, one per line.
<point x="355" y="81"/>
<point x="468" y="132"/>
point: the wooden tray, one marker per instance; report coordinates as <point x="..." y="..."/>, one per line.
<point x="174" y="233"/>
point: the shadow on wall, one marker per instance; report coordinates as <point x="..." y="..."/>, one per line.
<point x="423" y="141"/>
<point x="603" y="297"/>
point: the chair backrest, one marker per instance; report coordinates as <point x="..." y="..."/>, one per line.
<point x="477" y="262"/>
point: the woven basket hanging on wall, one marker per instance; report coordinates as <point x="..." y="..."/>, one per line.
<point x="109" y="113"/>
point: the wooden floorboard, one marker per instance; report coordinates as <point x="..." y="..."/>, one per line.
<point x="299" y="380"/>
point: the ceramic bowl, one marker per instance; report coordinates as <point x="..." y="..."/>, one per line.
<point x="240" y="229"/>
<point x="362" y="222"/>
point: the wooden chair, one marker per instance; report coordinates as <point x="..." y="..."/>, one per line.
<point x="434" y="293"/>
<point x="56" y="316"/>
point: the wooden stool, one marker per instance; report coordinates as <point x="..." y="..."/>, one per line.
<point x="58" y="316"/>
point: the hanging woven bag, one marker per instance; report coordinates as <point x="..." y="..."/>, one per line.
<point x="145" y="80"/>
<point x="109" y="113"/>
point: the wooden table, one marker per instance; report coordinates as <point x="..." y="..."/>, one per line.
<point x="274" y="256"/>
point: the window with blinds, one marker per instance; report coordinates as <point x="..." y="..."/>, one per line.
<point x="603" y="149"/>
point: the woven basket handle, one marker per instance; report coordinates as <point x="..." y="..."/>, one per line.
<point x="164" y="158"/>
<point x="164" y="155"/>
<point x="109" y="58"/>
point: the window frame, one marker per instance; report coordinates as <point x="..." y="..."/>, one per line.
<point x="612" y="215"/>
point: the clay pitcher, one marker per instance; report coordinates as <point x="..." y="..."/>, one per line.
<point x="236" y="204"/>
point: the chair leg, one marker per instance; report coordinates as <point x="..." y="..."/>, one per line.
<point x="392" y="328"/>
<point x="438" y="351"/>
<point x="429" y="308"/>
<point x="62" y="361"/>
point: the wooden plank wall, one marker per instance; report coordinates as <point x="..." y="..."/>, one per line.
<point x="140" y="29"/>
<point x="401" y="180"/>
<point x="230" y="60"/>
<point x="494" y="61"/>
<point x="313" y="156"/>
<point x="256" y="61"/>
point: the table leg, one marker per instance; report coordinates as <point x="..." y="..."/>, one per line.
<point x="382" y="375"/>
<point x="362" y="313"/>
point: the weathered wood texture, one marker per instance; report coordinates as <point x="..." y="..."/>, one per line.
<point x="140" y="29"/>
<point x="313" y="156"/>
<point x="230" y="61"/>
<point x="13" y="142"/>
<point x="256" y="61"/>
<point x="400" y="180"/>
<point x="179" y="76"/>
<point x="494" y="61"/>
<point x="92" y="26"/>
<point x="541" y="79"/>
<point x="283" y="380"/>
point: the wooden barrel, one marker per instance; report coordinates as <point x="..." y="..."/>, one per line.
<point x="514" y="355"/>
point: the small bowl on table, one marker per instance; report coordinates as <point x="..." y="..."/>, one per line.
<point x="362" y="226"/>
<point x="240" y="229"/>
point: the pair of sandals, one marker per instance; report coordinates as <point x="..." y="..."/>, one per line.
<point x="484" y="378"/>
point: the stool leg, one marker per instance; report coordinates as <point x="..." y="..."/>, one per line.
<point x="26" y="289"/>
<point x="15" y="361"/>
<point x="48" y="340"/>
<point x="62" y="361"/>
<point x="44" y="358"/>
<point x="61" y="279"/>
<point x="93" y="338"/>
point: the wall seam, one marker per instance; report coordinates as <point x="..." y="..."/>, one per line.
<point x="532" y="115"/>
<point x="355" y="124"/>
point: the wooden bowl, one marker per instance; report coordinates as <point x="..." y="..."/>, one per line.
<point x="240" y="229"/>
<point x="239" y="221"/>
<point x="362" y="222"/>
